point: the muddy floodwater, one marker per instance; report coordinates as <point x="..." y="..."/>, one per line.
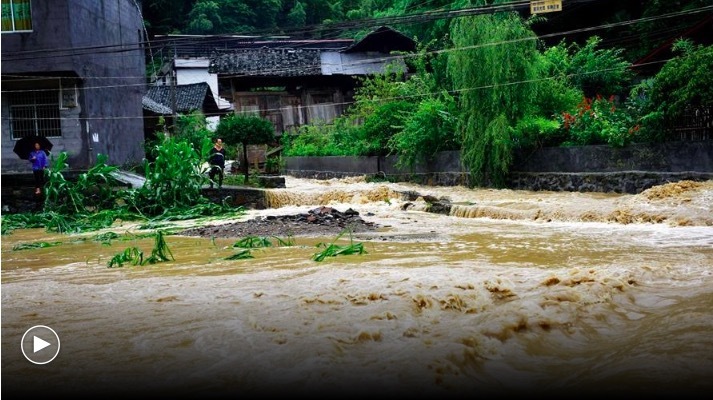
<point x="511" y="292"/>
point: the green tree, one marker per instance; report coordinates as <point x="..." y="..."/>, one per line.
<point x="649" y="31"/>
<point x="204" y="18"/>
<point x="491" y="67"/>
<point x="598" y="71"/>
<point x="318" y="11"/>
<point x="247" y="16"/>
<point x="429" y="125"/>
<point x="426" y="131"/>
<point x="684" y="81"/>
<point x="245" y="130"/>
<point x="297" y="16"/>
<point x="555" y="90"/>
<point x="165" y="16"/>
<point x="192" y="128"/>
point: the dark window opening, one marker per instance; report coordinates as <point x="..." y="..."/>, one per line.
<point x="35" y="112"/>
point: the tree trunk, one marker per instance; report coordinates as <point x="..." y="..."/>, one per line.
<point x="245" y="163"/>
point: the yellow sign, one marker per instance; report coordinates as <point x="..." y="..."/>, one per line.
<point x="545" y="6"/>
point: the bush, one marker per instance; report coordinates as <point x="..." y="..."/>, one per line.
<point x="431" y="128"/>
<point x="381" y="125"/>
<point x="684" y="81"/>
<point x="598" y="121"/>
<point x="534" y="132"/>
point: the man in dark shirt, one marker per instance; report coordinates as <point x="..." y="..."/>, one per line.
<point x="217" y="163"/>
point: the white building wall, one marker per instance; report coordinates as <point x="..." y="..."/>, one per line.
<point x="195" y="70"/>
<point x="335" y="63"/>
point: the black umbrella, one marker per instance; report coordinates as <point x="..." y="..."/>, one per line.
<point x="26" y="145"/>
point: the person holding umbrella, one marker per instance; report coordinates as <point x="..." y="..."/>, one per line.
<point x="39" y="161"/>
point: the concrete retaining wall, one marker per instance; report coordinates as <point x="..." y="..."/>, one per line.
<point x="668" y="157"/>
<point x="586" y="169"/>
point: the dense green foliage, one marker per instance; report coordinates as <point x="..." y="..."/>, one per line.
<point x="192" y="128"/>
<point x="96" y="199"/>
<point x="483" y="83"/>
<point x="595" y="70"/>
<point x="490" y="68"/>
<point x="685" y="81"/>
<point x="425" y="20"/>
<point x="428" y="130"/>
<point x="410" y="118"/>
<point x="244" y="130"/>
<point x="173" y="179"/>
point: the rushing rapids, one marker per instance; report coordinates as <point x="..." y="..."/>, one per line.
<point x="499" y="292"/>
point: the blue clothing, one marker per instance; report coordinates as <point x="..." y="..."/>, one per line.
<point x="38" y="159"/>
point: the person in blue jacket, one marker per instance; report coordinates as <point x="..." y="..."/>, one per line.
<point x="39" y="161"/>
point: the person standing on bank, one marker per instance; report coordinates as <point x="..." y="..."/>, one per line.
<point x="39" y="161"/>
<point x="216" y="160"/>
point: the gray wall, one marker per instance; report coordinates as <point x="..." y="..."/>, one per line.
<point x="587" y="168"/>
<point x="108" y="64"/>
<point x="670" y="157"/>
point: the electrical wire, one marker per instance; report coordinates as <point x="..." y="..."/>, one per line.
<point x="648" y="19"/>
<point x="403" y="56"/>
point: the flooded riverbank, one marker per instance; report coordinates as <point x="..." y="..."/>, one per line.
<point x="514" y="292"/>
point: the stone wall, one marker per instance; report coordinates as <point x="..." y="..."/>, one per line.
<point x="618" y="182"/>
<point x="668" y="157"/>
<point x="586" y="168"/>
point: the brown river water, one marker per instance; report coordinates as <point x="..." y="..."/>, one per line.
<point x="513" y="293"/>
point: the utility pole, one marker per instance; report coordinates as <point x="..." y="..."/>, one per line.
<point x="174" y="79"/>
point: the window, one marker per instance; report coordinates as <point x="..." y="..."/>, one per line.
<point x="35" y="112"/>
<point x="16" y="15"/>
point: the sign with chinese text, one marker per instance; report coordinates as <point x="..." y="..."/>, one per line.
<point x="545" y="6"/>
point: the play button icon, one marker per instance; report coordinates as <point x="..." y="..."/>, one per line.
<point x="40" y="344"/>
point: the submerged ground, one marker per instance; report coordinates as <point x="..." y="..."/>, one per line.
<point x="348" y="204"/>
<point x="538" y="294"/>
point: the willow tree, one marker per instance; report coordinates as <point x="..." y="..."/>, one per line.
<point x="492" y="68"/>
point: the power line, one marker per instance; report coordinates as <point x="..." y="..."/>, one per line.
<point x="43" y="53"/>
<point x="386" y="99"/>
<point x="420" y="17"/>
<point x="397" y="57"/>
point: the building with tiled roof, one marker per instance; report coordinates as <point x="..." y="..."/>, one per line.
<point x="165" y="101"/>
<point x="290" y="82"/>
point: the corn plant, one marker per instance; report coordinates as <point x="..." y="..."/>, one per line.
<point x="251" y="242"/>
<point x="92" y="191"/>
<point x="173" y="179"/>
<point x="332" y="249"/>
<point x="172" y="191"/>
<point x="289" y="241"/>
<point x="35" y="245"/>
<point x="131" y="255"/>
<point x="135" y="256"/>
<point x="10" y="222"/>
<point x="160" y="252"/>
<point x="242" y="255"/>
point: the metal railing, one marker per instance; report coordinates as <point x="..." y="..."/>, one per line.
<point x="695" y="125"/>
